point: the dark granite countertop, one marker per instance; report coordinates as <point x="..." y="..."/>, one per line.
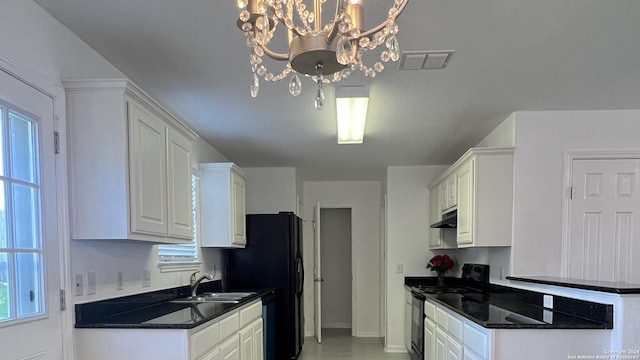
<point x="155" y="311"/>
<point x="618" y="287"/>
<point x="503" y="307"/>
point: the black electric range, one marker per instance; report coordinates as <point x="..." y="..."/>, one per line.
<point x="474" y="279"/>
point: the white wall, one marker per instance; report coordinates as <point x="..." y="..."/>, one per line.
<point x="407" y="229"/>
<point x="37" y="44"/>
<point x="364" y="200"/>
<point x="271" y="190"/>
<point x="541" y="139"/>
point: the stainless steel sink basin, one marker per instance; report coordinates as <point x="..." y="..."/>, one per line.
<point x="229" y="297"/>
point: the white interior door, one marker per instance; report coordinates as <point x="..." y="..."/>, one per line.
<point x="317" y="275"/>
<point x="30" y="316"/>
<point x="604" y="236"/>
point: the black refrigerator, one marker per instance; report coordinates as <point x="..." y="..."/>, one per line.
<point x="272" y="258"/>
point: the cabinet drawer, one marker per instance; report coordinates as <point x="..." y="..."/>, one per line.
<point x="229" y="325"/>
<point x="248" y="315"/>
<point x="476" y="340"/>
<point x="205" y="340"/>
<point x="430" y="310"/>
<point x="441" y="317"/>
<point x="454" y="327"/>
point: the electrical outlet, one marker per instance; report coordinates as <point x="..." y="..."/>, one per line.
<point x="146" y="278"/>
<point x="119" y="281"/>
<point x="547" y="301"/>
<point x="91" y="282"/>
<point x="79" y="286"/>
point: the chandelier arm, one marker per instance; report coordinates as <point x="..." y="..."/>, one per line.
<point x="274" y="55"/>
<point x="384" y="23"/>
<point x="282" y="20"/>
<point x="334" y="29"/>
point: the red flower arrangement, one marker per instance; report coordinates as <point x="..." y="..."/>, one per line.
<point x="440" y="263"/>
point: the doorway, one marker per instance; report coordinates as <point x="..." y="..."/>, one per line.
<point x="336" y="264"/>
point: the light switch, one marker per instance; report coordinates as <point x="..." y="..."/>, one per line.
<point x="91" y="282"/>
<point x="548" y="301"/>
<point x="79" y="285"/>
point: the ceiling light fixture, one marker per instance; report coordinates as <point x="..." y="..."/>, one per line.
<point x="326" y="54"/>
<point x="351" y="110"/>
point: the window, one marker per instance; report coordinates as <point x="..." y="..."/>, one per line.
<point x="21" y="255"/>
<point x="184" y="256"/>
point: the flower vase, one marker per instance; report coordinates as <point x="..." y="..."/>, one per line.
<point x="440" y="282"/>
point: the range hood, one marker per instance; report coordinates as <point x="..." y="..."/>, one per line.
<point x="449" y="221"/>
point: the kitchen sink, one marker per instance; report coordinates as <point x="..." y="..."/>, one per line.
<point x="222" y="297"/>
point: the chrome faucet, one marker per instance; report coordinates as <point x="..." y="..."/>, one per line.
<point x="194" y="283"/>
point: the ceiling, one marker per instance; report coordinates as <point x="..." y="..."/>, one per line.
<point x="510" y="55"/>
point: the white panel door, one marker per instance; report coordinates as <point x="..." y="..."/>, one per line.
<point x="317" y="275"/>
<point x="148" y="167"/>
<point x="30" y="316"/>
<point x="604" y="237"/>
<point x="440" y="344"/>
<point x="239" y="226"/>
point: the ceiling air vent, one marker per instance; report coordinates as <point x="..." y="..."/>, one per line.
<point x="425" y="60"/>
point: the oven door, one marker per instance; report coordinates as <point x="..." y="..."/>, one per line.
<point x="417" y="328"/>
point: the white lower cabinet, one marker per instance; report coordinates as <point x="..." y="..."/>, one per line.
<point x="454" y="349"/>
<point x="429" y="339"/>
<point x="440" y="344"/>
<point x="449" y="336"/>
<point x="236" y="336"/>
<point x="446" y="335"/>
<point x="230" y="349"/>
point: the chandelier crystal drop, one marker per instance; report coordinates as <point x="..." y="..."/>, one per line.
<point x="325" y="53"/>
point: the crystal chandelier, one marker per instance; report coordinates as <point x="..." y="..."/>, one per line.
<point x="326" y="54"/>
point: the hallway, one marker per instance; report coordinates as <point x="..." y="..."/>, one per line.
<point x="338" y="344"/>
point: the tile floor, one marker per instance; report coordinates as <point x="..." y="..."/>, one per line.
<point x="337" y="344"/>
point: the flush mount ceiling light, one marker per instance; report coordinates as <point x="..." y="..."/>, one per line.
<point x="326" y="54"/>
<point x="351" y="111"/>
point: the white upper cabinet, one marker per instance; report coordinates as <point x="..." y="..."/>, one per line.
<point x="222" y="205"/>
<point x="483" y="198"/>
<point x="130" y="165"/>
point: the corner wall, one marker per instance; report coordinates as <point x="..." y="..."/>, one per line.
<point x="407" y="231"/>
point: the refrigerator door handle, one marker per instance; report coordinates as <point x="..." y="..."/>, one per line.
<point x="300" y="275"/>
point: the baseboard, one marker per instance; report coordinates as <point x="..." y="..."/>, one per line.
<point x="336" y="325"/>
<point x="372" y="334"/>
<point x="395" y="349"/>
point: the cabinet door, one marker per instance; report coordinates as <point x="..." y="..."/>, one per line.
<point x="213" y="355"/>
<point x="452" y="191"/>
<point x="429" y="340"/>
<point x="443" y="195"/>
<point x="440" y="344"/>
<point x="468" y="355"/>
<point x="230" y="349"/>
<point x="238" y="208"/>
<point x="435" y="215"/>
<point x="454" y="349"/>
<point x="179" y="185"/>
<point x="407" y="325"/>
<point x="464" y="231"/>
<point x="247" y="345"/>
<point x="148" y="171"/>
<point x="258" y="340"/>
